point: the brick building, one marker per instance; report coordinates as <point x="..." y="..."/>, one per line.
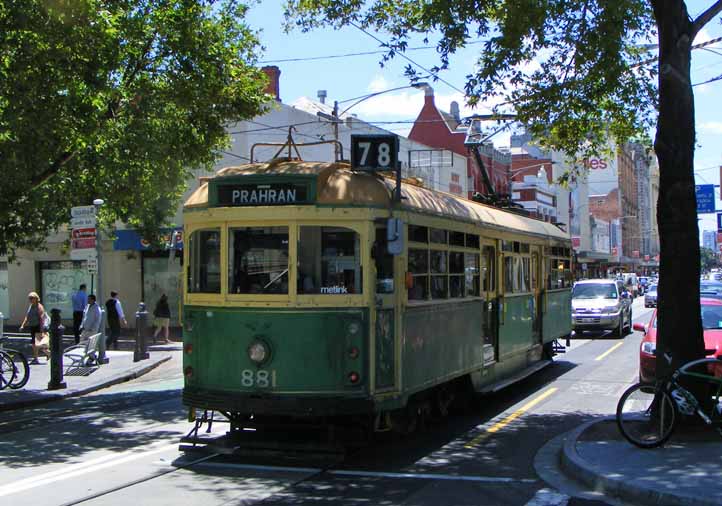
<point x="536" y="194"/>
<point x="443" y="130"/>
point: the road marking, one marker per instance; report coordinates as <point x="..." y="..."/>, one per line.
<point x="610" y="350"/>
<point x="547" y="497"/>
<point x="367" y="474"/>
<point x="506" y="421"/>
<point x="79" y="469"/>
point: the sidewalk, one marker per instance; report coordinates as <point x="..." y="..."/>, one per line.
<point x="686" y="471"/>
<point x="81" y="381"/>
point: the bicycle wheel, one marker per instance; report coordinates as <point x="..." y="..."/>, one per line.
<point x="8" y="371"/>
<point x="21" y="367"/>
<point x="646" y="415"/>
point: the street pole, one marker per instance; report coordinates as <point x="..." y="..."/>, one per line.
<point x="102" y="359"/>
<point x="339" y="156"/>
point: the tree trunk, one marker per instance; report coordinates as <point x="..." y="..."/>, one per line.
<point x="679" y="323"/>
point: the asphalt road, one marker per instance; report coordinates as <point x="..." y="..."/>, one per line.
<point x="119" y="446"/>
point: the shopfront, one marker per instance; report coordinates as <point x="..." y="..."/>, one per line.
<point x="59" y="280"/>
<point x="160" y="267"/>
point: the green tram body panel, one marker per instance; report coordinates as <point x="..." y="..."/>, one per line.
<point x="309" y="354"/>
<point x="557" y="321"/>
<point x="515" y="329"/>
<point x="441" y="342"/>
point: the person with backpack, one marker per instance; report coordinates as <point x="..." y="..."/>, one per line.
<point x="115" y="316"/>
<point x="37" y="321"/>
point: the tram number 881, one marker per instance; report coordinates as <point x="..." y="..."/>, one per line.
<point x="259" y="378"/>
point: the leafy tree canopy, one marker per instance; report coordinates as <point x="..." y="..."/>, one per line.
<point x="572" y="71"/>
<point x="118" y="99"/>
<point x="708" y="259"/>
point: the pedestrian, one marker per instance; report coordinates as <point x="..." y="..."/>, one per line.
<point x="162" y="318"/>
<point x="114" y="311"/>
<point x="91" y="319"/>
<point x="80" y="300"/>
<point x="36" y="320"/>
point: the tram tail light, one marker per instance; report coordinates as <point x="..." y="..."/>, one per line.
<point x="189" y="348"/>
<point x="354" y="377"/>
<point x="353" y="352"/>
<point x="188" y="372"/>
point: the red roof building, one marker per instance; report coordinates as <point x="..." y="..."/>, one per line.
<point x="444" y="131"/>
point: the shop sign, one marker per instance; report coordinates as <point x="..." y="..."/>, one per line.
<point x="273" y="194"/>
<point x="576" y="242"/>
<point x="131" y="240"/>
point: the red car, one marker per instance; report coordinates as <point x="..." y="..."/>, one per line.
<point x="711" y="323"/>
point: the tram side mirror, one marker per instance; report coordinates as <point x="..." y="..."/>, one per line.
<point x="395" y="236"/>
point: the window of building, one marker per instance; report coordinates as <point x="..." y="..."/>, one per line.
<point x="204" y="274"/>
<point x="329" y="261"/>
<point x="258" y="260"/>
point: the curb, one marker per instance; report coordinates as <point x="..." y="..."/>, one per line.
<point x="577" y="467"/>
<point x="43" y="399"/>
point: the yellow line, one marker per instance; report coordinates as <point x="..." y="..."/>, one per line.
<point x="610" y="350"/>
<point x="506" y="421"/>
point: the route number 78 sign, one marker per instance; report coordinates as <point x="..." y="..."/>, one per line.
<point x="374" y="152"/>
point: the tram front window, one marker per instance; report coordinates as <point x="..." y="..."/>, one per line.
<point x="329" y="261"/>
<point x="204" y="275"/>
<point x="258" y="260"/>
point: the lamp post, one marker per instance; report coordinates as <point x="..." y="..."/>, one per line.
<point x="336" y="115"/>
<point x="99" y="286"/>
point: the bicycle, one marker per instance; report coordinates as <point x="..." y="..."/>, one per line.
<point x="647" y="414"/>
<point x="20" y="364"/>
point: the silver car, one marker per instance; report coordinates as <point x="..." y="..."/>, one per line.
<point x="650" y="296"/>
<point x="601" y="304"/>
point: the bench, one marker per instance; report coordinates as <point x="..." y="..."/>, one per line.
<point x="84" y="354"/>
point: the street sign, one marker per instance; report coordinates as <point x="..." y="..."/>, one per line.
<point x="705" y="198"/>
<point x="84" y="243"/>
<point x="83" y="254"/>
<point x="83" y="222"/>
<point x="92" y="265"/>
<point x="82" y="211"/>
<point x="374" y="152"/>
<point x="83" y="233"/>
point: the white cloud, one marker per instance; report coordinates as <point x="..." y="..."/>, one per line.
<point x="379" y="83"/>
<point x="713" y="127"/>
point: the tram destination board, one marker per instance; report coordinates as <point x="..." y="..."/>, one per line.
<point x="374" y="152"/>
<point x="262" y="194"/>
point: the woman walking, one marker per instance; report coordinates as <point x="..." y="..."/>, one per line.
<point x="35" y="321"/>
<point x="162" y="318"/>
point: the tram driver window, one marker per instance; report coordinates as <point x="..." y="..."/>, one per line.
<point x="204" y="274"/>
<point x="384" y="262"/>
<point x="258" y="260"/>
<point x="329" y="261"/>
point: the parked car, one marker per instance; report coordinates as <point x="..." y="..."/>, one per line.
<point x="710" y="289"/>
<point x="711" y="323"/>
<point x="601" y="304"/>
<point x="650" y="297"/>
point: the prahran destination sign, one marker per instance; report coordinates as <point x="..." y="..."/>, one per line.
<point x="262" y="195"/>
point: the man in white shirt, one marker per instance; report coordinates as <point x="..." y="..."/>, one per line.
<point x="91" y="319"/>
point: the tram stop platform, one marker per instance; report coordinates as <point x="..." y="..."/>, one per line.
<point x="687" y="470"/>
<point x="80" y="381"/>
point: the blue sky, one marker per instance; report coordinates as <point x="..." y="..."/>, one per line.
<point x="354" y="76"/>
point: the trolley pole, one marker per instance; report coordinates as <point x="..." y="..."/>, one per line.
<point x="56" y="351"/>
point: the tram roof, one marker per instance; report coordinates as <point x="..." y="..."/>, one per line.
<point x="338" y="185"/>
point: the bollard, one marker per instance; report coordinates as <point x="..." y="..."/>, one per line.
<point x="141" y="324"/>
<point x="56" y="351"/>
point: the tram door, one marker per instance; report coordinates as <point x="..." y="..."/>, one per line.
<point x="537" y="289"/>
<point x="386" y="312"/>
<point x="489" y="283"/>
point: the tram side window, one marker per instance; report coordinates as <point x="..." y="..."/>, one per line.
<point x="204" y="273"/>
<point x="516" y="274"/>
<point x="384" y="263"/>
<point x="258" y="260"/>
<point x="419" y="271"/>
<point x="559" y="273"/>
<point x="329" y="261"/>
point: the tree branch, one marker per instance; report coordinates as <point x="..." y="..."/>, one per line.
<point x="52" y="170"/>
<point x="706" y="17"/>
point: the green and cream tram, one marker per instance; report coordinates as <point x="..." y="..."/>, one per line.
<point x="296" y="308"/>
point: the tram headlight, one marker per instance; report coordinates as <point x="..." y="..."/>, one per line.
<point x="259" y="352"/>
<point x="353" y="328"/>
